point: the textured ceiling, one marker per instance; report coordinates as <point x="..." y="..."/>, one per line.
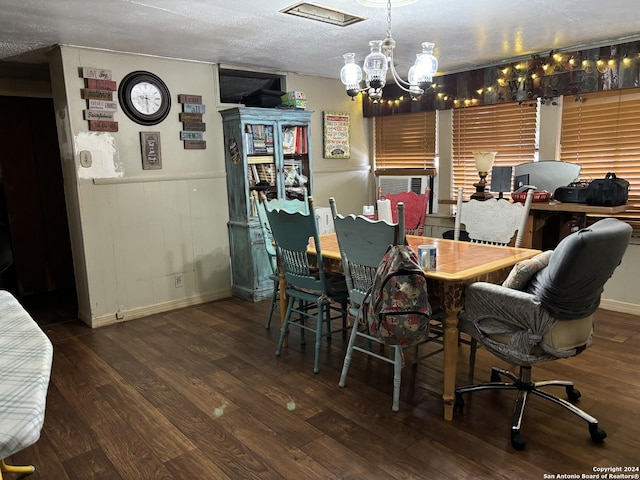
<point x="467" y="33"/>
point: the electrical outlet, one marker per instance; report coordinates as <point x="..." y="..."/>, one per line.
<point x="179" y="278"/>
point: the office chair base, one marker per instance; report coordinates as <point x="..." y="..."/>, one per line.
<point x="525" y="386"/>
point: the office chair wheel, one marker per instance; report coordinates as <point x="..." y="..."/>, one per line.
<point x="597" y="434"/>
<point x="517" y="441"/>
<point x="573" y="394"/>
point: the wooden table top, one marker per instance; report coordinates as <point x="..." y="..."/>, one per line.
<point x="555" y="206"/>
<point x="455" y="261"/>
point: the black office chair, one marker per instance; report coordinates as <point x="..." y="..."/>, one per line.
<point x="549" y="318"/>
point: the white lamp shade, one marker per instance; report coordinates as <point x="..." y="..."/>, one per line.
<point x="484" y="160"/>
<point x="351" y="73"/>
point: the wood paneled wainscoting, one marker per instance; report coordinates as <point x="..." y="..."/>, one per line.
<point x="199" y="394"/>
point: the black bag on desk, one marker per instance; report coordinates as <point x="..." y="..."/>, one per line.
<point x="609" y="191"/>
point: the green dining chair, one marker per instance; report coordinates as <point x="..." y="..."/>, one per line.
<point x="290" y="205"/>
<point x="321" y="296"/>
<point x="363" y="243"/>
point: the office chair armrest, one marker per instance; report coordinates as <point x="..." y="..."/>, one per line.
<point x="515" y="318"/>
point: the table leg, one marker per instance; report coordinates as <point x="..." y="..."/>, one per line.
<point x="452" y="303"/>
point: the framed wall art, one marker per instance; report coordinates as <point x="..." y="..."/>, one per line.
<point x="151" y="153"/>
<point x="337" y="141"/>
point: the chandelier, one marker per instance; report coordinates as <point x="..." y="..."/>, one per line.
<point x="380" y="60"/>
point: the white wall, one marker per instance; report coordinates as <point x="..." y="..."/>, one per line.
<point x="134" y="230"/>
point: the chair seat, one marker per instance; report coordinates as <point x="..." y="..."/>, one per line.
<point x="565" y="335"/>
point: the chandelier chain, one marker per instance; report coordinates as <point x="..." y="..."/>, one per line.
<point x="388" y="18"/>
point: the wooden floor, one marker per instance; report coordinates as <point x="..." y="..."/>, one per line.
<point x="199" y="394"/>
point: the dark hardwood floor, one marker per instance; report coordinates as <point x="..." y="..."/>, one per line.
<point x="199" y="394"/>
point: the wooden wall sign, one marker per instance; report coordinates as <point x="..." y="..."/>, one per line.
<point x="150" y="147"/>
<point x="102" y="105"/>
<point x="195" y="144"/>
<point x="102" y="84"/>
<point x="191" y="135"/>
<point x="98" y="115"/>
<point x="103" y="126"/>
<point x="193" y="108"/>
<point x="195" y="126"/>
<point x="192" y="124"/>
<point x="98" y="73"/>
<point x="186" y="98"/>
<point x="99" y="96"/>
<point x="90" y="93"/>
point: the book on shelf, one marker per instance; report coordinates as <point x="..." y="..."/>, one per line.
<point x="253" y="159"/>
<point x="294" y="140"/>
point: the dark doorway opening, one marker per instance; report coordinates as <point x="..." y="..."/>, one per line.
<point x="35" y="256"/>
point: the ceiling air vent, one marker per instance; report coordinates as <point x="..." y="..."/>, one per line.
<point x="322" y="14"/>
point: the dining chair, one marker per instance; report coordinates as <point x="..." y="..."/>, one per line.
<point x="493" y="221"/>
<point x="321" y="296"/>
<point x="363" y="243"/>
<point x="544" y="313"/>
<point x="290" y="205"/>
<point x="415" y="208"/>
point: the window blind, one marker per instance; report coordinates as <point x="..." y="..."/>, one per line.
<point x="506" y="128"/>
<point x="601" y="132"/>
<point x="405" y="144"/>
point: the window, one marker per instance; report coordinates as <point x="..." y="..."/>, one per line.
<point x="506" y="128"/>
<point x="405" y="144"/>
<point x="600" y="132"/>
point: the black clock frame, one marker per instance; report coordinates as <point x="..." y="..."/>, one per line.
<point x="124" y="96"/>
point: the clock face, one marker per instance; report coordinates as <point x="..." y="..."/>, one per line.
<point x="144" y="98"/>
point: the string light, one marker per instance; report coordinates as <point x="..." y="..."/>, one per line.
<point x="523" y="81"/>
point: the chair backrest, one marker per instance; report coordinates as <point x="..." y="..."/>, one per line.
<point x="571" y="285"/>
<point x="266" y="231"/>
<point x="415" y="209"/>
<point x="363" y="243"/>
<point x="493" y="221"/>
<point x="292" y="232"/>
<point x="290" y="205"/>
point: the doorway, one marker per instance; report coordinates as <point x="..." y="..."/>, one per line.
<point x="35" y="258"/>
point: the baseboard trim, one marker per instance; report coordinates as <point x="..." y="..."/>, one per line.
<point x="134" y="313"/>
<point x="622" y="307"/>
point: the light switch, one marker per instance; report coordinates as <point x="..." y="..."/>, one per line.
<point x="85" y="158"/>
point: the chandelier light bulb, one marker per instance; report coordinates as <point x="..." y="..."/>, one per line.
<point x="426" y="66"/>
<point x="375" y="65"/>
<point x="351" y="74"/>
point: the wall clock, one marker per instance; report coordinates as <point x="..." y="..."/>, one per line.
<point x="144" y="98"/>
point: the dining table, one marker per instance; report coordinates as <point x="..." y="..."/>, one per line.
<point x="458" y="264"/>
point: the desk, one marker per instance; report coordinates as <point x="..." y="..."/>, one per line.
<point x="542" y="233"/>
<point x="458" y="264"/>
